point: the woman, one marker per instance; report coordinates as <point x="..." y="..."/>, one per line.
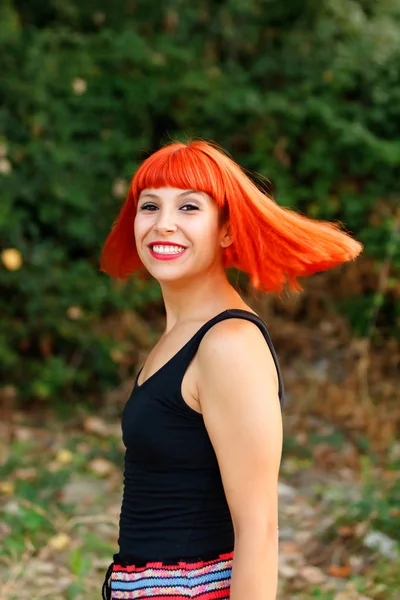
<point x="202" y="427"/>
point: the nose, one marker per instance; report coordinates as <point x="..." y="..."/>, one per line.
<point x="165" y="222"/>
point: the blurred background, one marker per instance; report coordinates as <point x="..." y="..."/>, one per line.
<point x="305" y="93"/>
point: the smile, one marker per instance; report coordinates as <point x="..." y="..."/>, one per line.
<point x="164" y="252"/>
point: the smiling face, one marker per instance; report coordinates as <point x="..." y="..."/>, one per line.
<point x="178" y="233"/>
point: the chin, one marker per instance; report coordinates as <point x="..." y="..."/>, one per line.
<point x="179" y="276"/>
<point x="169" y="279"/>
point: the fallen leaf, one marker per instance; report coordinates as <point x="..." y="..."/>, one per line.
<point x="24" y="434"/>
<point x="289" y="547"/>
<point x="64" y="456"/>
<point x="96" y="425"/>
<point x="26" y="473"/>
<point x="361" y="528"/>
<point x="101" y="466"/>
<point x="341" y="571"/>
<point x="60" y="541"/>
<point x="312" y="574"/>
<point x="346" y="530"/>
<point x="287" y="571"/>
<point x="5" y="530"/>
<point x="6" y="488"/>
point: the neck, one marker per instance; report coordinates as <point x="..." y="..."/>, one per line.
<point x="198" y="299"/>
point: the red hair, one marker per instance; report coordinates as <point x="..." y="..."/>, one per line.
<point x="274" y="245"/>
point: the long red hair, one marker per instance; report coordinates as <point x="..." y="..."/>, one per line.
<point x="274" y="245"/>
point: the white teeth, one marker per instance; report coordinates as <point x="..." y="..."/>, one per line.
<point x="168" y="249"/>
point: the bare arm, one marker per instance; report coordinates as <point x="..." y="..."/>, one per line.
<point x="238" y="390"/>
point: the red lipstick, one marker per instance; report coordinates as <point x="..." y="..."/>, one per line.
<point x="165" y="243"/>
<point x="164" y="256"/>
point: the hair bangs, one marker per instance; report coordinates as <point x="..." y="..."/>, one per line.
<point x="183" y="167"/>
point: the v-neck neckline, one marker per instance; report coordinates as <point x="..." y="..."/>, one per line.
<point x="139" y="386"/>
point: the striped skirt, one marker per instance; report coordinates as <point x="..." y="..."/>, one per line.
<point x="204" y="580"/>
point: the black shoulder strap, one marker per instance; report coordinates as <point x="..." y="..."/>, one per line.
<point x="234" y="313"/>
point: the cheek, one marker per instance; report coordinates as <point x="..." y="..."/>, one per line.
<point x="211" y="235"/>
<point x="206" y="229"/>
<point x="138" y="231"/>
<point x="139" y="226"/>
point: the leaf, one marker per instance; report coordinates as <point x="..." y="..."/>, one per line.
<point x="11" y="259"/>
<point x="6" y="488"/>
<point x="59" y="542"/>
<point x="64" y="456"/>
<point x="79" y="562"/>
<point x="101" y="466"/>
<point x="312" y="574"/>
<point x="94" y="424"/>
<point x="339" y="571"/>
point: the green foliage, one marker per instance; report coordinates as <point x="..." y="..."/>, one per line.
<point x="322" y="594"/>
<point x="80" y="563"/>
<point x="28" y="523"/>
<point x="375" y="503"/>
<point x="307" y="94"/>
<point x="380" y="499"/>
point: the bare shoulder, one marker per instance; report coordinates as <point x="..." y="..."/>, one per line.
<point x="238" y="394"/>
<point x="236" y="347"/>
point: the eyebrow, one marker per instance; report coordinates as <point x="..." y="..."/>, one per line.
<point x="183" y="194"/>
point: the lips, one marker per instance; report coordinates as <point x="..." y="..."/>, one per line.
<point x="172" y="250"/>
<point x="158" y="243"/>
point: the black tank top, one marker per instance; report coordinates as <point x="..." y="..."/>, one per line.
<point x="174" y="506"/>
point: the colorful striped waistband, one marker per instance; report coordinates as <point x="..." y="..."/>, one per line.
<point x="183" y="579"/>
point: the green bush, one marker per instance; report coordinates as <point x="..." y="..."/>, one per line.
<point x="306" y="93"/>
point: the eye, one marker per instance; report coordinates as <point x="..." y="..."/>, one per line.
<point x="152" y="207"/>
<point x="148" y="206"/>
<point x="188" y="207"/>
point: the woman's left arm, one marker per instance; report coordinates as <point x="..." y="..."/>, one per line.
<point x="238" y="392"/>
